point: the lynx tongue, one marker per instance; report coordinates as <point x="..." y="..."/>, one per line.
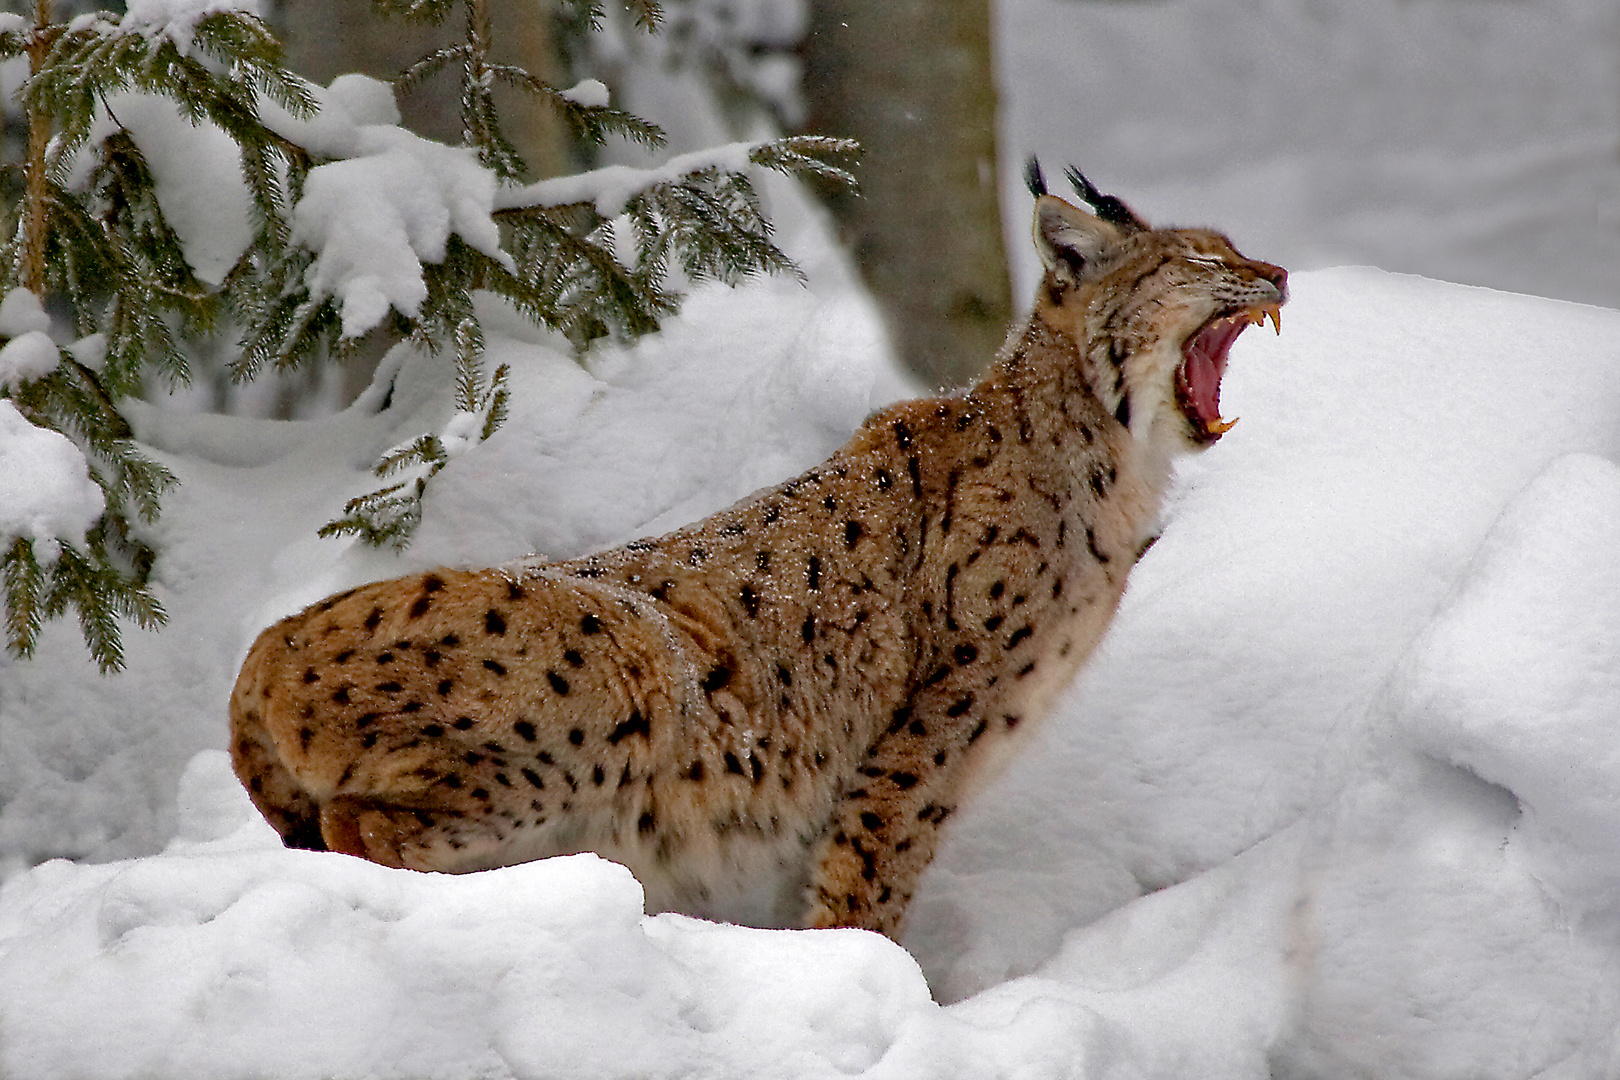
<point x="1198" y="381"/>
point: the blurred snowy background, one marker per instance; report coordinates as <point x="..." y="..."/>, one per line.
<point x="1475" y="141"/>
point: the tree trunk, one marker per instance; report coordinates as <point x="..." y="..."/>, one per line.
<point x="912" y="81"/>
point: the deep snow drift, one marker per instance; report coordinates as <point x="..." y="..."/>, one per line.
<point x="1356" y="714"/>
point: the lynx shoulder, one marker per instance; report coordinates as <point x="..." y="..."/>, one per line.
<point x="802" y="688"/>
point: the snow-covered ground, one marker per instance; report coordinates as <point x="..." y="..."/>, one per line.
<point x="1354" y="724"/>
<point x="1336" y="798"/>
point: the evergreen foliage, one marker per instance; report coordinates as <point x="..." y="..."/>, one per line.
<point x="105" y="249"/>
<point x="90" y="235"/>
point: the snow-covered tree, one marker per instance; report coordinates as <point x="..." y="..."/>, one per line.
<point x="356" y="229"/>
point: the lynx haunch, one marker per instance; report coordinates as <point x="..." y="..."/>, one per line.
<point x="799" y="689"/>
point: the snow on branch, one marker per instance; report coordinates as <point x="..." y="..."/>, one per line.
<point x="177" y="20"/>
<point x="609" y="190"/>
<point x="375" y="218"/>
<point x="46" y="491"/>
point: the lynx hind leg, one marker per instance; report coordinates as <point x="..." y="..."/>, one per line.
<point x="437" y="839"/>
<point x="884" y="830"/>
<point x="275" y="791"/>
<point x="383" y="834"/>
<point x="397" y="836"/>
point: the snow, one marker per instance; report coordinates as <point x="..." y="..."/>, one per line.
<point x="611" y="187"/>
<point x="588" y="94"/>
<point x="46" y="494"/>
<point x="1335" y="798"/>
<point x="415" y="961"/>
<point x="196" y="172"/>
<point x="376" y="217"/>
<point x="343" y="109"/>
<point x="386" y="202"/>
<point x="1541" y="598"/>
<point x="31" y="355"/>
<point x="20" y="312"/>
<point x="177" y="19"/>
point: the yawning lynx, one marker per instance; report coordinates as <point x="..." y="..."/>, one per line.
<point x="800" y="688"/>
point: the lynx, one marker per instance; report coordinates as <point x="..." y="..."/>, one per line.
<point x="768" y="715"/>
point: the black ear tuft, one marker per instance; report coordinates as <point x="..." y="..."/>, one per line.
<point x="1107" y="207"/>
<point x="1033" y="177"/>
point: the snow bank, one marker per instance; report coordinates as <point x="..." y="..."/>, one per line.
<point x="1351" y="734"/>
<point x="1381" y="436"/>
<point x="228" y="949"/>
<point x="1518" y="680"/>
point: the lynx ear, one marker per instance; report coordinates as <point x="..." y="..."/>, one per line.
<point x="1070" y="240"/>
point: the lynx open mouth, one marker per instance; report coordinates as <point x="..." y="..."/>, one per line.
<point x="1198" y="379"/>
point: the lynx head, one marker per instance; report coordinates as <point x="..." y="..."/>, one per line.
<point x="1154" y="311"/>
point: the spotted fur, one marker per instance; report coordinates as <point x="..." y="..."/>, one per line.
<point x="799" y="689"/>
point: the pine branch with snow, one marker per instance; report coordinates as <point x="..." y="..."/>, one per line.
<point x="79" y="487"/>
<point x="215" y="69"/>
<point x="356" y="228"/>
<point x="389" y="515"/>
<point x="67" y="523"/>
<point x="563" y="259"/>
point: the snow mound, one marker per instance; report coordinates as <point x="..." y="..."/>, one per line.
<point x="1518" y="680"/>
<point x="1460" y="905"/>
<point x="228" y="948"/>
<point x="1381" y="437"/>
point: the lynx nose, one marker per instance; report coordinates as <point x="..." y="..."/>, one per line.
<point x="1277" y="276"/>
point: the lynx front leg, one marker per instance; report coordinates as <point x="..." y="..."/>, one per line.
<point x="884" y="829"/>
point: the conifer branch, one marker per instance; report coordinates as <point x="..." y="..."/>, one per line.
<point x="31" y="270"/>
<point x="590" y="256"/>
